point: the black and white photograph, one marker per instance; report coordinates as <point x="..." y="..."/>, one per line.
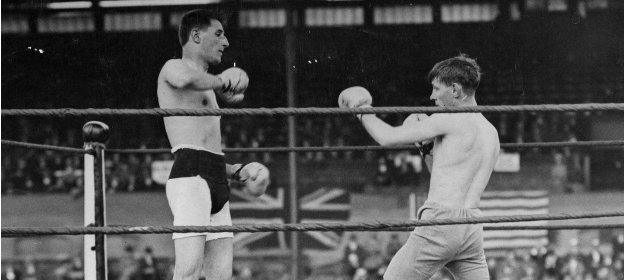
<point x="312" y="139"/>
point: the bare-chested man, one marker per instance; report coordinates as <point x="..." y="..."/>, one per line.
<point x="465" y="149"/>
<point x="197" y="189"/>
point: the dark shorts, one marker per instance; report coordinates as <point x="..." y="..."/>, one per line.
<point x="198" y="193"/>
<point x="208" y="166"/>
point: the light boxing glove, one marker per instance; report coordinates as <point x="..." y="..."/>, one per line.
<point x="235" y="82"/>
<point x="255" y="178"/>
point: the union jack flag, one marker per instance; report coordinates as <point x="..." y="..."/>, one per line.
<point x="316" y="205"/>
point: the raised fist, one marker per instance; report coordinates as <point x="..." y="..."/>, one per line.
<point x="235" y="82"/>
<point x="354" y="97"/>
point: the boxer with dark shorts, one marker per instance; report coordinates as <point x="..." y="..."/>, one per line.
<point x="197" y="189"/>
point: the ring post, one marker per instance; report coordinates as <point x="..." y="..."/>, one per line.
<point x="95" y="135"/>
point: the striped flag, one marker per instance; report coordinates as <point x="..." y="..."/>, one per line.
<point x="509" y="203"/>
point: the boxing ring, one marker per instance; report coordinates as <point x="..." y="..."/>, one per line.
<point x="95" y="135"/>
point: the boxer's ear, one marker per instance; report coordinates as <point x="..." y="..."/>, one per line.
<point x="195" y="36"/>
<point x="457" y="90"/>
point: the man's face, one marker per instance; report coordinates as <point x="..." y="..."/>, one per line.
<point x="441" y="93"/>
<point x="213" y="42"/>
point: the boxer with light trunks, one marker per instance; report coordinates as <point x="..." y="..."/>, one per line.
<point x="197" y="189"/>
<point x="465" y="149"/>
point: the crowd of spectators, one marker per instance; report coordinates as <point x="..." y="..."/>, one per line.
<point x="367" y="260"/>
<point x="365" y="257"/>
<point x="132" y="265"/>
<point x="602" y="261"/>
<point x="27" y="170"/>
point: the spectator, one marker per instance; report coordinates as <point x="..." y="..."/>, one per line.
<point x="374" y="261"/>
<point x="618" y="245"/>
<point x="147" y="265"/>
<point x="559" y="174"/>
<point x="71" y="270"/>
<point x="393" y="246"/>
<point x="382" y="178"/>
<point x="128" y="263"/>
<point x="134" y="168"/>
<point x="145" y="173"/>
<point x="10" y="273"/>
<point x="551" y="265"/>
<point x="353" y="256"/>
<point x="30" y="270"/>
<point x="509" y="269"/>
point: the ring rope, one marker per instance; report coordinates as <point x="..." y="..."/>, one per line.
<point x="314" y="148"/>
<point x="532" y="227"/>
<point x="46" y="147"/>
<point x="536" y="227"/>
<point x="348" y="226"/>
<point x="374" y="148"/>
<point x="71" y="112"/>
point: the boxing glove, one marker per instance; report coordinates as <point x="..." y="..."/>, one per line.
<point x="255" y="178"/>
<point x="235" y="82"/>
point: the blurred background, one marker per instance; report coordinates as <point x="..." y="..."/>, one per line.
<point x="107" y="54"/>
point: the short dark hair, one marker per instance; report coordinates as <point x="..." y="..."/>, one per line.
<point x="199" y="18"/>
<point x="460" y="69"/>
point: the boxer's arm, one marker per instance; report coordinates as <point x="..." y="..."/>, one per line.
<point x="408" y="134"/>
<point x="181" y="76"/>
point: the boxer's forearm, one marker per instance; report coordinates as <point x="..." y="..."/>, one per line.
<point x="204" y="81"/>
<point x="179" y="75"/>
<point x="378" y="129"/>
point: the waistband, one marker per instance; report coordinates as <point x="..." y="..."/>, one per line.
<point x="193" y="147"/>
<point x="441" y="211"/>
<point x="436" y="205"/>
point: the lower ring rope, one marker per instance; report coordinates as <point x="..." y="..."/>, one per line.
<point x="349" y="226"/>
<point x="534" y="227"/>
<point x="530" y="227"/>
<point x="316" y="148"/>
<point x="44" y="147"/>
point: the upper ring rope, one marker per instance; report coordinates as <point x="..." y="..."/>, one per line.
<point x="348" y="226"/>
<point x="70" y="112"/>
<point x="374" y="148"/>
<point x="314" y="148"/>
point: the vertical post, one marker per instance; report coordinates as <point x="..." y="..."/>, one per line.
<point x="98" y="16"/>
<point x="587" y="172"/>
<point x="89" y="215"/>
<point x="95" y="135"/>
<point x="291" y="77"/>
<point x="412" y="206"/>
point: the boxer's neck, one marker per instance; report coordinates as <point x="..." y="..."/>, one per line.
<point x="194" y="60"/>
<point x="467" y="101"/>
